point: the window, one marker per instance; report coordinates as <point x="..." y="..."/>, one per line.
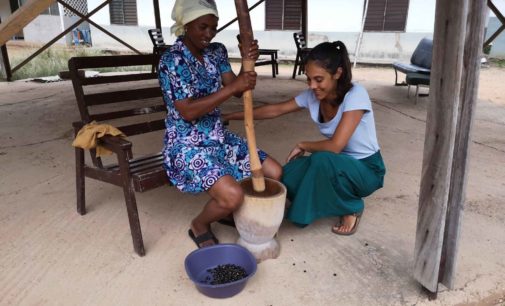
<point x="123" y="12"/>
<point x="52" y="10"/>
<point x="386" y="15"/>
<point x="283" y="14"/>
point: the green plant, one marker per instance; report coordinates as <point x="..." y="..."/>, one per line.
<point x="54" y="60"/>
<point x="497" y="62"/>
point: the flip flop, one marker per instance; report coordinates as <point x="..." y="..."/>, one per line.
<point x="209" y="235"/>
<point x="353" y="229"/>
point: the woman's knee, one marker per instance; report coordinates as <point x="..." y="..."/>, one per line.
<point x="323" y="158"/>
<point x="231" y="197"/>
<point x="272" y="169"/>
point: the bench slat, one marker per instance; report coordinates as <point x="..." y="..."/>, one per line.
<point x="90" y="62"/>
<point x="129" y="113"/>
<point x="141" y="128"/>
<point x="148" y="180"/>
<point x="122" y="96"/>
<point x="118" y="78"/>
<point x="140" y="164"/>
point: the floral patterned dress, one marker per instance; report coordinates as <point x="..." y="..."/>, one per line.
<point x="197" y="153"/>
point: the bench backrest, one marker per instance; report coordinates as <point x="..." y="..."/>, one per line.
<point x="132" y="102"/>
<point x="422" y="54"/>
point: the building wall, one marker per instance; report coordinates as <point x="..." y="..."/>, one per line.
<point x="5" y="9"/>
<point x="43" y="29"/>
<point x="342" y="22"/>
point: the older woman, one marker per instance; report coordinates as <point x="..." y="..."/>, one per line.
<point x="200" y="153"/>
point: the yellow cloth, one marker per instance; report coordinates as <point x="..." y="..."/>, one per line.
<point x="87" y="137"/>
<point x="185" y="11"/>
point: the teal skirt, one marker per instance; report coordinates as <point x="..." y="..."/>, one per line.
<point x="327" y="184"/>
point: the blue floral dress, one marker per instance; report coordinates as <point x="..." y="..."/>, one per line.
<point x="197" y="153"/>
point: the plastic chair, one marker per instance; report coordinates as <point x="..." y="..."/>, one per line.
<point x="301" y="52"/>
<point x="159" y="45"/>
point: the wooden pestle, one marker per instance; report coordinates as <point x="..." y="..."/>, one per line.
<point x="246" y="38"/>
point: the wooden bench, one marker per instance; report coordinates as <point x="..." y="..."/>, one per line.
<point x="133" y="103"/>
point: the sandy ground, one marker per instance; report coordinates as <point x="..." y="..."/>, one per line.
<point x="50" y="255"/>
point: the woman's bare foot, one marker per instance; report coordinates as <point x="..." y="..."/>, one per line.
<point x="348" y="225"/>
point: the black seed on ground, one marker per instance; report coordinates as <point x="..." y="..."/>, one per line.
<point x="334" y="274"/>
<point x="293" y="264"/>
<point x="304" y="271"/>
<point x="292" y="240"/>
<point x="366" y="243"/>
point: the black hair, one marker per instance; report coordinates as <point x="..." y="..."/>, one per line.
<point x="331" y="56"/>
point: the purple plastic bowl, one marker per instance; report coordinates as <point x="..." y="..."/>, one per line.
<point x="199" y="261"/>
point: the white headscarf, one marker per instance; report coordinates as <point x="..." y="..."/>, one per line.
<point x="185" y="11"/>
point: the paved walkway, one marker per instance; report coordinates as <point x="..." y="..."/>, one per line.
<point x="50" y="255"/>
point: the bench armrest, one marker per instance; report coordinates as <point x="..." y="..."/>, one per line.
<point x="116" y="144"/>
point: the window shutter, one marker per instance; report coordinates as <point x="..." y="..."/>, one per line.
<point x="386" y="15"/>
<point x="116" y="12"/>
<point x="273" y="14"/>
<point x="123" y="12"/>
<point x="292" y="15"/>
<point x="283" y="14"/>
<point x="130" y="12"/>
<point x="396" y="15"/>
<point x="374" y="20"/>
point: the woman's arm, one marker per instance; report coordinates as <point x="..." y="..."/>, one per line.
<point x="229" y="77"/>
<point x="191" y="109"/>
<point x="348" y="124"/>
<point x="267" y="111"/>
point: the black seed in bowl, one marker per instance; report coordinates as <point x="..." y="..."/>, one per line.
<point x="223" y="274"/>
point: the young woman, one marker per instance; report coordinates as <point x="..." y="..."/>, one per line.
<point x="346" y="165"/>
<point x="200" y="154"/>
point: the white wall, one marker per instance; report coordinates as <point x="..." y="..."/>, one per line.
<point x="43" y="28"/>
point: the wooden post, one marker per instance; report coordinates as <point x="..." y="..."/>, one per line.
<point x="360" y="37"/>
<point x="5" y="66"/>
<point x="157" y="18"/>
<point x="468" y="98"/>
<point x="500" y="17"/>
<point x="305" y="28"/>
<point x="246" y="38"/>
<point x="441" y="123"/>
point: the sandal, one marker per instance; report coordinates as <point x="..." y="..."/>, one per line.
<point x="354" y="228"/>
<point x="209" y="235"/>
